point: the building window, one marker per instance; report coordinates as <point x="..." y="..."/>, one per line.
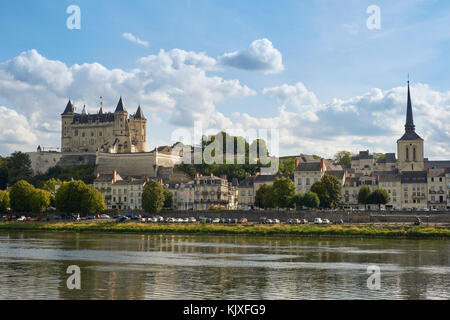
<point x="414" y="154"/>
<point x="407" y="154"/>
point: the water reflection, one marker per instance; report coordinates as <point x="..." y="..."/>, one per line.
<point x="124" y="266"/>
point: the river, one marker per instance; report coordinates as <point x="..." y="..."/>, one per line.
<point x="33" y="265"/>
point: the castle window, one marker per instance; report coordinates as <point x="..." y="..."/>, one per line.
<point x="76" y="133"/>
<point x="414" y="154"/>
<point x="92" y="133"/>
<point x="100" y="133"/>
<point x="83" y="134"/>
<point x="407" y="154"/>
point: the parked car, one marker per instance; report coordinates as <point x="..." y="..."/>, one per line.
<point x="340" y="221"/>
<point x="303" y="221"/>
<point x="22" y="218"/>
<point x="216" y="220"/>
<point x="276" y="221"/>
<point x="90" y="217"/>
<point x="243" y="220"/>
<point x="192" y="219"/>
<point x="417" y="221"/>
<point x="122" y="218"/>
<point x="290" y="221"/>
<point x="263" y="220"/>
<point x="105" y="216"/>
<point x="326" y="221"/>
<point x="269" y="221"/>
<point x="317" y="221"/>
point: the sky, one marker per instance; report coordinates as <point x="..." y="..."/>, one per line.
<point x="316" y="71"/>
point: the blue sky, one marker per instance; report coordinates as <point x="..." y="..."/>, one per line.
<point x="338" y="86"/>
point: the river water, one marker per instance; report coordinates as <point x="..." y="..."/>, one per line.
<point x="33" y="265"/>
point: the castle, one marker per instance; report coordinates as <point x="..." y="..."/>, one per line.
<point x="104" y="131"/>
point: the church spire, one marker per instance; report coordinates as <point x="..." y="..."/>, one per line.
<point x="409" y="126"/>
<point x="120" y="106"/>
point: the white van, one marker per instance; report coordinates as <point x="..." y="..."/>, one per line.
<point x="317" y="221"/>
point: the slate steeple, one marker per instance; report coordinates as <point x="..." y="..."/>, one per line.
<point x="120" y="106"/>
<point x="410" y="128"/>
<point x="69" y="108"/>
<point x="139" y="114"/>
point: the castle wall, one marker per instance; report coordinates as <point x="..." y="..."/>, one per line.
<point x="131" y="164"/>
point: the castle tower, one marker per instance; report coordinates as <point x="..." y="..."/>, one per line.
<point x="66" y="121"/>
<point x="138" y="123"/>
<point x="121" y="130"/>
<point x="410" y="145"/>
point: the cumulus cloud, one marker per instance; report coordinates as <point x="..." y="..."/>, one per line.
<point x="173" y="83"/>
<point x="261" y="55"/>
<point x="374" y="120"/>
<point x="15" y="131"/>
<point x="133" y="38"/>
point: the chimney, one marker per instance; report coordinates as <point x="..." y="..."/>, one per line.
<point x="257" y="173"/>
<point x="428" y="170"/>
<point x="323" y="167"/>
<point x="297" y="162"/>
<point x="98" y="175"/>
<point x="161" y="181"/>
<point x="212" y="175"/>
<point x="131" y="179"/>
<point x="197" y="175"/>
<point x="147" y="180"/>
<point x="114" y="176"/>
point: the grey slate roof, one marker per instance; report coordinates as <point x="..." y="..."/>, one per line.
<point x="389" y="158"/>
<point x="414" y="177"/>
<point x="139" y="114"/>
<point x="436" y="164"/>
<point x="69" y="108"/>
<point x="120" y="106"/>
<point x="308" y="166"/>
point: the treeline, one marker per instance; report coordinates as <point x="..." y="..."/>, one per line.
<point x="325" y="193"/>
<point x="71" y="197"/>
<point x="17" y="167"/>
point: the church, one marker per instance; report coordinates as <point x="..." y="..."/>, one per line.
<point x="110" y="132"/>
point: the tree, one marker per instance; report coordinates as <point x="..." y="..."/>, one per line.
<point x="311" y="200"/>
<point x="40" y="200"/>
<point x="3" y="173"/>
<point x="364" y="194"/>
<point x="4" y="201"/>
<point x="153" y="197"/>
<point x="92" y="201"/>
<point x="283" y="190"/>
<point x="20" y="196"/>
<point x="19" y="167"/>
<point x="76" y="196"/>
<point x="168" y="198"/>
<point x="379" y="196"/>
<point x="329" y="191"/>
<point x="50" y="184"/>
<point x="288" y="165"/>
<point x="297" y="200"/>
<point x="264" y="197"/>
<point x="343" y="157"/>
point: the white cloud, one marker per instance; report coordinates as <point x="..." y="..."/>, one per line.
<point x="261" y="55"/>
<point x="171" y="84"/>
<point x="133" y="38"/>
<point x="15" y="131"/>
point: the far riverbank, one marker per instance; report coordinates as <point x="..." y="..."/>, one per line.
<point x="367" y="230"/>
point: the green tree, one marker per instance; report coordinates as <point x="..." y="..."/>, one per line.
<point x="297" y="200"/>
<point x="379" y="196"/>
<point x="364" y="195"/>
<point x="288" y="165"/>
<point x="311" y="200"/>
<point x="264" y="197"/>
<point x="50" y="184"/>
<point x="76" y="196"/>
<point x="343" y="157"/>
<point x="20" y="196"/>
<point x="329" y="191"/>
<point x="168" y="198"/>
<point x="92" y="201"/>
<point x="3" y="173"/>
<point x="19" y="167"/>
<point x="153" y="197"/>
<point x="283" y="190"/>
<point x="40" y="200"/>
<point x="4" y="201"/>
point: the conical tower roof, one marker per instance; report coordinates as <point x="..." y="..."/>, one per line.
<point x="69" y="108"/>
<point x="139" y="114"/>
<point x="120" y="106"/>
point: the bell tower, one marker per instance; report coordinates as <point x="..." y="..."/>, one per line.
<point x="410" y="145"/>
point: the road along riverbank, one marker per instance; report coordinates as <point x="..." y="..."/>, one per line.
<point x="366" y="230"/>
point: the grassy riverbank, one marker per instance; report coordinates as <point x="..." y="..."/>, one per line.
<point x="386" y="231"/>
